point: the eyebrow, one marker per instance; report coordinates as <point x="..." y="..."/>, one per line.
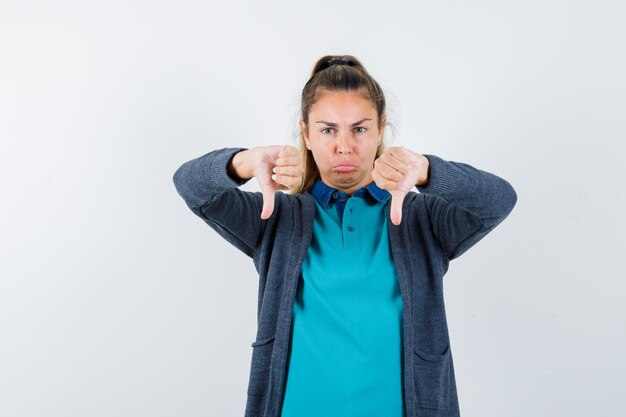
<point x="335" y="124"/>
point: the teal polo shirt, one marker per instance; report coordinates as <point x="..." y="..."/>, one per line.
<point x="345" y="353"/>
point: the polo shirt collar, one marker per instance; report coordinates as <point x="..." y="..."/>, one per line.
<point x="325" y="194"/>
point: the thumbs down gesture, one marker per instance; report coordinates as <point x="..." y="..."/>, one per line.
<point x="398" y="170"/>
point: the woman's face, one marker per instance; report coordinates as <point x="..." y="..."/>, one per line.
<point x="343" y="136"/>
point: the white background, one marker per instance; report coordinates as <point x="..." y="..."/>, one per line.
<point x="115" y="300"/>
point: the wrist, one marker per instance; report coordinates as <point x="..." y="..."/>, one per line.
<point x="241" y="166"/>
<point x="424" y="177"/>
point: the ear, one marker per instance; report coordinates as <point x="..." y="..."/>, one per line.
<point x="304" y="131"/>
<point x="382" y="130"/>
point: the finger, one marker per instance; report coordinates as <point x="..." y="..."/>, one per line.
<point x="397" y="198"/>
<point x="288" y="160"/>
<point x="383" y="182"/>
<point x="389" y="173"/>
<point x="268" y="203"/>
<point x="289" y="170"/>
<point x="279" y="154"/>
<point x="285" y="151"/>
<point x="289" y="151"/>
<point x="288" y="181"/>
<point x="392" y="160"/>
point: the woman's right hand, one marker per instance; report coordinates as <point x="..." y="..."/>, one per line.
<point x="276" y="167"/>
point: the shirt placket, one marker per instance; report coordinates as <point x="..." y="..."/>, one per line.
<point x="348" y="221"/>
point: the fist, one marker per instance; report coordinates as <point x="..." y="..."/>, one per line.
<point x="398" y="170"/>
<point x="277" y="168"/>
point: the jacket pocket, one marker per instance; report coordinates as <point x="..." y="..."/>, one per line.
<point x="260" y="366"/>
<point x="434" y="379"/>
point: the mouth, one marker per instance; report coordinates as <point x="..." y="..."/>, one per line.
<point x="344" y="168"/>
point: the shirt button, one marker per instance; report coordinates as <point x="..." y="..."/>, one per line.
<point x="335" y="195"/>
<point x="350" y="228"/>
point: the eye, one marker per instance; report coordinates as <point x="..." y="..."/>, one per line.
<point x="330" y="128"/>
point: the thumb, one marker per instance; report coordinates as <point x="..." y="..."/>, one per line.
<point x="268" y="202"/>
<point x="397" y="198"/>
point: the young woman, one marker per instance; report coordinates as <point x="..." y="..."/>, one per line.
<point x="351" y="317"/>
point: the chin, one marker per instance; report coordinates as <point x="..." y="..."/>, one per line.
<point x="347" y="178"/>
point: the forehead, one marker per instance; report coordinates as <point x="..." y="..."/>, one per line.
<point x="345" y="104"/>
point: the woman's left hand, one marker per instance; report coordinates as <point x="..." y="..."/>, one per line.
<point x="398" y="170"/>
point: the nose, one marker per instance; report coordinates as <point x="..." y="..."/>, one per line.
<point x="343" y="145"/>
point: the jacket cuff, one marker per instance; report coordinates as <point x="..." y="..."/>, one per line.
<point x="218" y="171"/>
<point x="444" y="177"/>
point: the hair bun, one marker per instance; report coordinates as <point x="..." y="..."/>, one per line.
<point x="340" y="62"/>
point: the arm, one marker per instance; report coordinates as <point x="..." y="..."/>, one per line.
<point x="209" y="186"/>
<point x="464" y="203"/>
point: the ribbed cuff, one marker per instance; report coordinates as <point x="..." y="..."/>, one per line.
<point x="444" y="177"/>
<point x="217" y="171"/>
